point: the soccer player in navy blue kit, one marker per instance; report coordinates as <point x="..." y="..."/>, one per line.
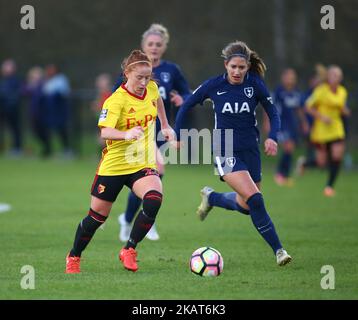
<point x="173" y="89"/>
<point x="236" y="154"/>
<point x="288" y="100"/>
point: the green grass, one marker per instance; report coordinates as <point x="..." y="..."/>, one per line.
<point x="49" y="198"/>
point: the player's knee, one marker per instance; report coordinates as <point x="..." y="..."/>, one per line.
<point x="289" y="147"/>
<point x="92" y="221"/>
<point x="258" y="213"/>
<point x="152" y="201"/>
<point x="337" y="158"/>
<point x="255" y="201"/>
<point x="321" y="163"/>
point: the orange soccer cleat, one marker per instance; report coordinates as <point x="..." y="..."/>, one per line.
<point x="280" y="179"/>
<point x="129" y="259"/>
<point x="72" y="264"/>
<point x="329" y="192"/>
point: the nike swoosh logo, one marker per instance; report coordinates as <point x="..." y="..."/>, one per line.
<point x="259" y="228"/>
<point x="220" y="93"/>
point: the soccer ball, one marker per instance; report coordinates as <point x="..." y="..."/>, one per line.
<point x="206" y="262"/>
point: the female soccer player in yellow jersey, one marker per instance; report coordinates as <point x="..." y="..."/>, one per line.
<point x="127" y="123"/>
<point x="327" y="104"/>
<point x="173" y="89"/>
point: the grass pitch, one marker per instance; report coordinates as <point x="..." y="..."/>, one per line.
<point x="49" y="198"/>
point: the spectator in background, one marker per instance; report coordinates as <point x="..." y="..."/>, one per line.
<point x="103" y="91"/>
<point x="34" y="92"/>
<point x="103" y="86"/>
<point x="10" y="112"/>
<point x="56" y="91"/>
<point x="287" y="98"/>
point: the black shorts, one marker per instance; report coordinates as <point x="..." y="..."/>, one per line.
<point x="326" y="146"/>
<point x="108" y="187"/>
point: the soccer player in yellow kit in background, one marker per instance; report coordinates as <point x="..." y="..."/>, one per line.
<point x="327" y="104"/>
<point x="127" y="122"/>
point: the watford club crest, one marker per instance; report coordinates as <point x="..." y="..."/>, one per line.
<point x="101" y="188"/>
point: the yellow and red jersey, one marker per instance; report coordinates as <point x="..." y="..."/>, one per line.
<point x="330" y="104"/>
<point x="124" y="110"/>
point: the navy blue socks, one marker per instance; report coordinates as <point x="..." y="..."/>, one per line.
<point x="262" y="221"/>
<point x="133" y="204"/>
<point x="285" y="164"/>
<point x="227" y="201"/>
<point x="257" y="212"/>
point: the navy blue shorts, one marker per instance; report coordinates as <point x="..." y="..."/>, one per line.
<point x="247" y="160"/>
<point x="286" y="135"/>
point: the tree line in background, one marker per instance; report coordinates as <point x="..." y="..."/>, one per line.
<point x="85" y="38"/>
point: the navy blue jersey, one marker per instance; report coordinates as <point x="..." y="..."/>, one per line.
<point x="287" y="103"/>
<point x="168" y="77"/>
<point x="304" y="98"/>
<point x="234" y="108"/>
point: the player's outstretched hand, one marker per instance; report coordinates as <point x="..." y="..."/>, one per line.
<point x="176" y="98"/>
<point x="134" y="133"/>
<point x="270" y="147"/>
<point x="168" y="133"/>
<point x="325" y="119"/>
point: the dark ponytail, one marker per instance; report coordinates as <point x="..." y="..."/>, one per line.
<point x="257" y="64"/>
